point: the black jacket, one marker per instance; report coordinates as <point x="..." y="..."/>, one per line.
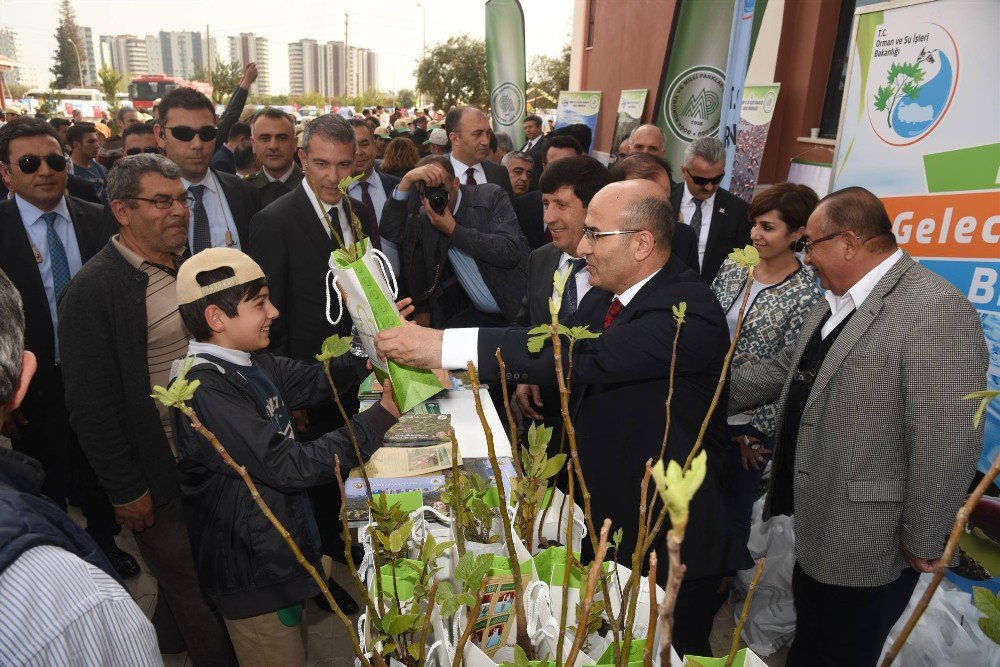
<point x="619" y="389"/>
<point x="243" y="563"/>
<point x="270" y="191"/>
<point x="730" y="229"/>
<point x="531" y="217"/>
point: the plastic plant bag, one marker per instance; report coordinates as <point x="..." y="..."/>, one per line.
<point x="744" y="658"/>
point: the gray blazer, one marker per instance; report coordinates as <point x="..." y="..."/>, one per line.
<point x="886" y="448"/>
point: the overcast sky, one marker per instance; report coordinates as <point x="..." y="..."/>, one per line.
<point x="393" y="28"/>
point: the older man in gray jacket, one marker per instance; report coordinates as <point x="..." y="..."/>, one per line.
<point x="876" y="447"/>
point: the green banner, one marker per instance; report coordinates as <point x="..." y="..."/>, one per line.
<point x="505" y="67"/>
<point x="694" y="79"/>
<point x="630" y="107"/>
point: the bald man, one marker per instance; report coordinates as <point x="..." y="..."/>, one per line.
<point x="647" y="138"/>
<point x="620" y="380"/>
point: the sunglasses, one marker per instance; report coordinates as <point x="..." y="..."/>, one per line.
<point x="147" y="149"/>
<point x="703" y="181"/>
<point x="184" y="133"/>
<point x="29" y="164"/>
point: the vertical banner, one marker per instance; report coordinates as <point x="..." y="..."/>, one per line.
<point x="505" y="66"/>
<point x="736" y="72"/>
<point x="695" y="78"/>
<point x="630" y="106"/>
<point x="919" y="129"/>
<point x="814" y="174"/>
<point x="755" y="122"/>
<point x="579" y="107"/>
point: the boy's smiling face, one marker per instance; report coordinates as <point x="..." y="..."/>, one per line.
<point x="250" y="330"/>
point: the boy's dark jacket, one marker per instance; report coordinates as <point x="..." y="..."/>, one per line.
<point x="243" y="564"/>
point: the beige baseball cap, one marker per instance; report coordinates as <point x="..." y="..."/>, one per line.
<point x="188" y="289"/>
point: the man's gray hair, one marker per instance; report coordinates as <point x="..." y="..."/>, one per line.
<point x="331" y="127"/>
<point x="504" y="142"/>
<point x="515" y="155"/>
<point x="124" y="181"/>
<point x="709" y="149"/>
<point x="11" y="338"/>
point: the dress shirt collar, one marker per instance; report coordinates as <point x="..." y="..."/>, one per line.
<point x="461" y="168"/>
<point x="283" y="178"/>
<point x="690" y="200"/>
<point x="209" y="182"/>
<point x="630" y="293"/>
<point x="856" y="295"/>
<point x="372" y="179"/>
<point x="31" y="214"/>
<point x="238" y="357"/>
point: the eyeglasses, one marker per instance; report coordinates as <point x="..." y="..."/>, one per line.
<point x="807" y="246"/>
<point x="137" y="151"/>
<point x="184" y="133"/>
<point x="592" y="234"/>
<point x="703" y="181"/>
<point x="163" y="202"/>
<point x="29" y="164"/>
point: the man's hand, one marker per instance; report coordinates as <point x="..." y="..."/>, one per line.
<point x="751" y="451"/>
<point x="919" y="564"/>
<point x="528" y="397"/>
<point x="388" y="400"/>
<point x="137" y="515"/>
<point x="12" y="424"/>
<point x="405" y="308"/>
<point x="443" y="222"/>
<point x="432" y="175"/>
<point x="411" y="346"/>
<point x="249" y="76"/>
<point x="300" y="419"/>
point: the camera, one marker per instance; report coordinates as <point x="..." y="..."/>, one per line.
<point x="436" y="196"/>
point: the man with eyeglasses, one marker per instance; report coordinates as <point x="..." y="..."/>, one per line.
<point x="139" y="138"/>
<point x="45" y="237"/>
<point x="223" y="203"/>
<point x="120" y="331"/>
<point x="620" y="383"/>
<point x="876" y="446"/>
<point x="718" y="217"/>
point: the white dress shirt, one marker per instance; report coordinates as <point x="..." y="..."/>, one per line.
<point x="530" y="143"/>
<point x="283" y="178"/>
<point x="461" y="168"/>
<point x="377" y="193"/>
<point x="687" y="211"/>
<point x="582" y="278"/>
<point x="220" y="218"/>
<point x="347" y="234"/>
<point x="842" y="306"/>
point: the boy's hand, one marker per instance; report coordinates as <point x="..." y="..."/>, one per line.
<point x="137" y="515"/>
<point x="388" y="400"/>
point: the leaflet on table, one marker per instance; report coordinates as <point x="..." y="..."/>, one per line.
<point x="429" y="486"/>
<point x="408" y="461"/>
<point x="420" y="430"/>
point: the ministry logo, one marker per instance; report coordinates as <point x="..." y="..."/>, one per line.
<point x="507" y="103"/>
<point x="693" y="103"/>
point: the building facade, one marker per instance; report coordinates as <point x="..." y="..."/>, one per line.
<point x="247" y="48"/>
<point x="91" y="62"/>
<point x="315" y="67"/>
<point x="181" y="53"/>
<point x="126" y="54"/>
<point x="10" y="48"/>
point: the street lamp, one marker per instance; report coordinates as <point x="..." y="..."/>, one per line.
<point x="423" y="12"/>
<point x="79" y="65"/>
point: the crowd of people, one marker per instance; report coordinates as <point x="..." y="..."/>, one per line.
<point x="211" y="237"/>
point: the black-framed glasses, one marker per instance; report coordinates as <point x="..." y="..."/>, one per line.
<point x="137" y="151"/>
<point x="703" y="180"/>
<point x="184" y="133"/>
<point x="29" y="164"/>
<point x="806" y="246"/>
<point x="592" y="234"/>
<point x="163" y="202"/>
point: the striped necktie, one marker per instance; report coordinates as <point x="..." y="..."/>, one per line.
<point x="57" y="253"/>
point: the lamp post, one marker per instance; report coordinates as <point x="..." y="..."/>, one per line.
<point x="79" y="65"/>
<point x="423" y="12"/>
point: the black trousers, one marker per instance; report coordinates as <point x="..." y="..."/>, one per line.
<point x="845" y="625"/>
<point x="698" y="601"/>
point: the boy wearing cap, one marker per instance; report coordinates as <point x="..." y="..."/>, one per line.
<point x="246" y="398"/>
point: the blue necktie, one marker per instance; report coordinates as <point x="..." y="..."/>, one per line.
<point x="568" y="305"/>
<point x="202" y="233"/>
<point x="57" y="252"/>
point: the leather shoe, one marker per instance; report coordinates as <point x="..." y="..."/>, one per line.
<point x="340" y="596"/>
<point x="122" y="561"/>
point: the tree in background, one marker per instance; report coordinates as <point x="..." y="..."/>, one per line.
<point x="406" y="98"/>
<point x="550" y="74"/>
<point x="454" y="72"/>
<point x="69" y="60"/>
<point x="225" y="78"/>
<point x="110" y="83"/>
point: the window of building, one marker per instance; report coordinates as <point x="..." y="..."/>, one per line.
<point x="832" y="102"/>
<point x="591" y="20"/>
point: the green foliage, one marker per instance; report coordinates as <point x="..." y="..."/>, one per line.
<point x="883" y="97"/>
<point x="680" y="310"/>
<point x="677" y="488"/>
<point x="181" y="389"/>
<point x="465" y="494"/>
<point x="529" y="489"/>
<point x="902" y="81"/>
<point x="70" y="56"/>
<point x="405" y="98"/>
<point x="225" y="78"/>
<point x="454" y="73"/>
<point x="333" y="347"/>
<point x="747" y="257"/>
<point x="989" y="604"/>
<point x="550" y="75"/>
<point x="985" y="397"/>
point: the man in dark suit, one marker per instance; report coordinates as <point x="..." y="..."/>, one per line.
<point x="292" y="240"/>
<point x="374" y="189"/>
<point x="468" y="257"/>
<point x="273" y="132"/>
<point x="223" y="203"/>
<point x="468" y="129"/>
<point x="224" y="159"/>
<point x="620" y="384"/>
<point x="719" y="218"/>
<point x="529" y="208"/>
<point x="534" y="146"/>
<point x="45" y="238"/>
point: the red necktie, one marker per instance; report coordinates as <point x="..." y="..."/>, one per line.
<point x="616" y="307"/>
<point x="372" y="220"/>
<point x="470" y="176"/>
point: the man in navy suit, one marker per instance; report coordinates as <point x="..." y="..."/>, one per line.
<point x="374" y="189"/>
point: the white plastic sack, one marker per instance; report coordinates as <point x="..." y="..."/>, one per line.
<point x="551" y="524"/>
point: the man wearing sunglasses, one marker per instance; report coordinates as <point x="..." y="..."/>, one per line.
<point x="139" y="138"/>
<point x="718" y="217"/>
<point x="45" y="237"/>
<point x="223" y="203"/>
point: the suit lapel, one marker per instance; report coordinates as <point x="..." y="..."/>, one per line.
<point x="86" y="230"/>
<point x="310" y="223"/>
<point x="543" y="287"/>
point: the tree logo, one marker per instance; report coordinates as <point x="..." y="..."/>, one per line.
<point x="692" y="105"/>
<point x="914" y="77"/>
<point x="507" y="103"/>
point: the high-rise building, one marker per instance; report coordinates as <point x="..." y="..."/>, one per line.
<point x="181" y="53"/>
<point x="90" y="58"/>
<point x="247" y="48"/>
<point x="314" y="67"/>
<point x="126" y="54"/>
<point x="10" y="48"/>
<point x="362" y="71"/>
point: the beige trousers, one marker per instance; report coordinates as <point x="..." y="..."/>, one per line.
<point x="264" y="641"/>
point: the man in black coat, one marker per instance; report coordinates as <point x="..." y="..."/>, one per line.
<point x="223" y="203"/>
<point x="468" y="130"/>
<point x="534" y="146"/>
<point x="620" y="384"/>
<point x="273" y="133"/>
<point x="45" y="238"/>
<point x="718" y="217"/>
<point x="529" y="207"/>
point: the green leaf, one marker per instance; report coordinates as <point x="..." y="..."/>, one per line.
<point x="415" y="651"/>
<point x="583" y="333"/>
<point x="911" y="90"/>
<point x="677" y="488"/>
<point x="401" y="624"/>
<point x="990" y="628"/>
<point x="333" y="347"/>
<point x="986" y="602"/>
<point x="987" y="396"/>
<point x="746" y="257"/>
<point x="680" y="310"/>
<point x="520" y="657"/>
<point x="348" y="182"/>
<point x="617" y="537"/>
<point x="882" y="97"/>
<point x="382" y="538"/>
<point x="539" y="435"/>
<point x="536" y="343"/>
<point x="553" y="466"/>
<point x="181" y="390"/>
